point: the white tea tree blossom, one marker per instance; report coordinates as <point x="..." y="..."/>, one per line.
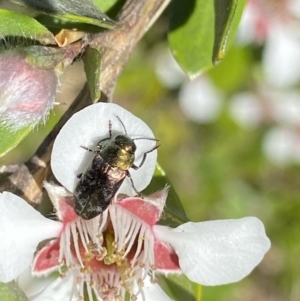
<point x="121" y="251"/>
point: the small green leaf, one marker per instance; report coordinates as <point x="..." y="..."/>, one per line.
<point x="43" y="57"/>
<point x="174" y="214"/>
<point x="179" y="287"/>
<point x="74" y="10"/>
<point x="224" y="13"/>
<point x="191" y="35"/>
<point x="91" y="60"/>
<point x="11" y="292"/>
<point x="105" y="5"/>
<point x="16" y="24"/>
<point x="10" y="139"/>
<point x="105" y="23"/>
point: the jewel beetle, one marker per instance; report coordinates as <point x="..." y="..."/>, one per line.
<point x="100" y="182"/>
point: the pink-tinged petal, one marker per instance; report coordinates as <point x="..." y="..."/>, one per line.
<point x="46" y="260"/>
<point x="21" y="230"/>
<point x="152" y="291"/>
<point x="148" y="208"/>
<point x="62" y="201"/>
<point x="166" y="260"/>
<point x="59" y="289"/>
<point x="87" y="128"/>
<point x="141" y="209"/>
<point x="217" y="252"/>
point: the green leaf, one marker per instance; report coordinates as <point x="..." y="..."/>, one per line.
<point x="179" y="287"/>
<point x="10" y="139"/>
<point x="16" y="24"/>
<point x="73" y="10"/>
<point x="43" y="57"/>
<point x="225" y="11"/>
<point x="91" y="60"/>
<point x="195" y="38"/>
<point x="11" y="292"/>
<point x="191" y="35"/>
<point x="234" y="70"/>
<point x="174" y="214"/>
<point x="236" y="20"/>
<point x="105" y="5"/>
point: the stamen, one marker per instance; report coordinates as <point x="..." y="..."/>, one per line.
<point x="68" y="253"/>
<point x="81" y="234"/>
<point x="84" y="237"/>
<point x="130" y="233"/>
<point x="101" y="254"/>
<point x="140" y="283"/>
<point x="119" y="255"/>
<point x="135" y="226"/>
<point x="140" y="242"/>
<point x="75" y="240"/>
<point x="133" y="297"/>
<point x="89" y="290"/>
<point x="102" y="221"/>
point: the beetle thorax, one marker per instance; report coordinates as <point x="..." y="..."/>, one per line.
<point x="119" y="152"/>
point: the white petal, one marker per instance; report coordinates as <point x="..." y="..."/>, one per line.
<point x="32" y="285"/>
<point x="86" y="128"/>
<point x="152" y="292"/>
<point x="22" y="228"/>
<point x="217" y="252"/>
<point x="59" y="289"/>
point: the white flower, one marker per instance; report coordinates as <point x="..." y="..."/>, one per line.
<point x="246" y="109"/>
<point x="274" y="22"/>
<point x="281" y="145"/>
<point x="123" y="249"/>
<point x="200" y="100"/>
<point x="24" y="218"/>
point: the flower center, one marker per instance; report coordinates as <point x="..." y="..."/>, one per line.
<point x="109" y="255"/>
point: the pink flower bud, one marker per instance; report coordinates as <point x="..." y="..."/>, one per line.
<point x="26" y="93"/>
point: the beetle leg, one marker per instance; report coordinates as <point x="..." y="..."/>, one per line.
<point x="90" y="150"/>
<point x="129" y="176"/>
<point x="144" y="157"/>
<point x="79" y="175"/>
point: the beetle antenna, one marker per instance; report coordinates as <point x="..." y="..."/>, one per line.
<point x="122" y="125"/>
<point x="145" y="138"/>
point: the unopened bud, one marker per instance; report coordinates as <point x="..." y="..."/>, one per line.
<point x="27" y="93"/>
